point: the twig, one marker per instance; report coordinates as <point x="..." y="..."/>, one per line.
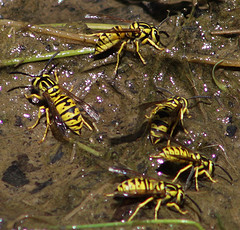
<point x="205" y="59"/>
<point x="225" y="32"/>
<point x="50" y="31"/>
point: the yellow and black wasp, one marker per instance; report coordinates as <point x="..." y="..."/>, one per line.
<point x="164" y="193"/>
<point x="138" y="33"/>
<point x="58" y="103"/>
<point x="199" y="164"/>
<point x="165" y="117"/>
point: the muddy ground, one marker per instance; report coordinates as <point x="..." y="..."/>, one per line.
<point x="56" y="183"/>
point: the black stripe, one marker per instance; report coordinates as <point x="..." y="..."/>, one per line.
<point x="160" y="123"/>
<point x="62" y="99"/>
<point x="69" y="110"/>
<point x="75" y="125"/>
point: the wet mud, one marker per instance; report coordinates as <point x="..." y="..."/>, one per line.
<point x="57" y="183"/>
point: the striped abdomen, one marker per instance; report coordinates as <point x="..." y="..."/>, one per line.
<point x="108" y="40"/>
<point x="178" y="154"/>
<point x="159" y="127"/>
<point x="69" y="112"/>
<point x="141" y="186"/>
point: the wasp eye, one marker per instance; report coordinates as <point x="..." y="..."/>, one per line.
<point x="156" y="35"/>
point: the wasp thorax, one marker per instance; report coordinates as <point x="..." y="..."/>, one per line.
<point x="43" y="83"/>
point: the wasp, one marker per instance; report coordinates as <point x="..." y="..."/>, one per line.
<point x="57" y="102"/>
<point x="199" y="163"/>
<point x="165" y="117"/>
<point x="138" y="33"/>
<point x="164" y="193"/>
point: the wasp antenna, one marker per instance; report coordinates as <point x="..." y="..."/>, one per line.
<point x="194" y="97"/>
<point x="161" y="90"/>
<point x="164" y="32"/>
<point x="194" y="202"/>
<point x="26" y="74"/>
<point x="20" y="87"/>
<point x="54" y="66"/>
<point x="224" y="170"/>
<point x="164" y="20"/>
<point x="189" y="178"/>
<point x="199" y="96"/>
<point x="49" y="61"/>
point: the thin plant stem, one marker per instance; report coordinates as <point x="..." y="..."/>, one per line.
<point x="132" y="223"/>
<point x="88" y="149"/>
<point x="205" y="59"/>
<point x="46" y="56"/>
<point x="226" y="32"/>
<point x="50" y="31"/>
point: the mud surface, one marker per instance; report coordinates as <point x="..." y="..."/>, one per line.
<point x="61" y="184"/>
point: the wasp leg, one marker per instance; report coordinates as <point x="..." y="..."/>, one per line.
<point x="176" y="207"/>
<point x="196" y="179"/>
<point x="56" y="76"/>
<point x="170" y="135"/>
<point x="181" y="171"/>
<point x="168" y="142"/>
<point x="87" y="125"/>
<point x="57" y="79"/>
<point x="140" y="206"/>
<point x="118" y="56"/>
<point x="48" y="124"/>
<point x="174" y="126"/>
<point x="154" y="44"/>
<point x="137" y="50"/>
<point x="40" y="108"/>
<point x="31" y="96"/>
<point x="202" y="172"/>
<point x="208" y="175"/>
<point x="181" y="120"/>
<point x="39" y="117"/>
<point x="157" y="208"/>
<point x="70" y="90"/>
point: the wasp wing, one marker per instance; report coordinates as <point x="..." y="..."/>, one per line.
<point x="58" y="127"/>
<point x="147" y="105"/>
<point x="140" y="193"/>
<point x="130" y="173"/>
<point x="117" y="29"/>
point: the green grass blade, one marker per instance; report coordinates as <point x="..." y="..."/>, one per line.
<point x="218" y="83"/>
<point x="132" y="223"/>
<point x="46" y="56"/>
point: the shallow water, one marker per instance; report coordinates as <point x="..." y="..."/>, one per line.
<point x="71" y="191"/>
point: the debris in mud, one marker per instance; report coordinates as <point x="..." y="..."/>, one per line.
<point x="57" y="156"/>
<point x="15" y="176"/>
<point x="24" y="165"/>
<point x="18" y="121"/>
<point x="41" y="186"/>
<point x="231" y="130"/>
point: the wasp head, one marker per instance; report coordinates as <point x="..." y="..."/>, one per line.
<point x="43" y="82"/>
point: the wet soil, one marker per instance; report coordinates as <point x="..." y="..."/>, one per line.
<point x="45" y="182"/>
